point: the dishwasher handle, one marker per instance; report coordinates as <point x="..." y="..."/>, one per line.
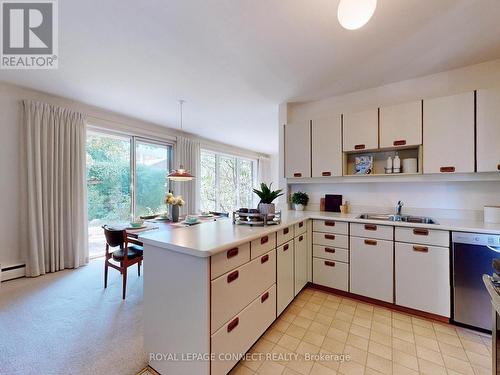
<point x="496" y="249"/>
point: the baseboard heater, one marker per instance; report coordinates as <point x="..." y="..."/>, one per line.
<point x="12" y="272"/>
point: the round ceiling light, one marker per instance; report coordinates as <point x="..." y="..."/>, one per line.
<point x="353" y="14"/>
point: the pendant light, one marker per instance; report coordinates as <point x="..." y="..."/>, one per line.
<point x="180" y="174"/>
<point x="354" y="14"/>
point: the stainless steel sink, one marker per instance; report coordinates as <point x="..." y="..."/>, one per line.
<point x="404" y="218"/>
<point x="418" y="219"/>
<point x="378" y="217"/>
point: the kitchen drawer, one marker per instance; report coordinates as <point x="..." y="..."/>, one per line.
<point x="284" y="235"/>
<point x="332" y="253"/>
<point x="229" y="259"/>
<point x="300" y="262"/>
<point x="331" y="240"/>
<point x="380" y="232"/>
<point x="285" y="279"/>
<point x="262" y="245"/>
<point x="331" y="226"/>
<point x="234" y="290"/>
<point x="300" y="228"/>
<point x="423" y="236"/>
<point x="238" y="334"/>
<point x="331" y="274"/>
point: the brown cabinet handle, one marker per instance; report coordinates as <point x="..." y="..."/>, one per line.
<point x="329" y="250"/>
<point x="232" y="253"/>
<point x="498" y="167"/>
<point x="326" y="174"/>
<point x="264" y="259"/>
<point x="286" y="247"/>
<point x="371" y="242"/>
<point x="421" y="249"/>
<point x="301" y="224"/>
<point x="264" y="240"/>
<point x="232" y="276"/>
<point x="297" y="175"/>
<point x="329" y="263"/>
<point x="329" y="223"/>
<point x="234" y="323"/>
<point x="301" y="238"/>
<point x="286" y="230"/>
<point x="329" y="236"/>
<point x="264" y="297"/>
<point x="359" y="147"/>
<point x="421" y="232"/>
<point x="400" y="142"/>
<point x="447" y="169"/>
<point x="370" y="227"/>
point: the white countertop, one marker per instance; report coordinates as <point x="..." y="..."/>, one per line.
<point x="207" y="239"/>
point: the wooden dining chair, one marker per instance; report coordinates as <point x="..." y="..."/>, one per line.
<point x="126" y="256"/>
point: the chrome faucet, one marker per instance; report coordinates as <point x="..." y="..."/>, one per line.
<point x="399" y="206"/>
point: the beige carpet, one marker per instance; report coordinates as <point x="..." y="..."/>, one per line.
<point x="67" y="323"/>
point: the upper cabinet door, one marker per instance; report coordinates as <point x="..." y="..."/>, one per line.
<point x="488" y="130"/>
<point x="401" y="125"/>
<point x="298" y="149"/>
<point x="449" y="134"/>
<point x="361" y="130"/>
<point x="327" y="147"/>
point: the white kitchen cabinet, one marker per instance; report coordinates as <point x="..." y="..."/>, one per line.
<point x="361" y="130"/>
<point x="449" y="134"/>
<point x="331" y="274"/>
<point x="371" y="268"/>
<point x="488" y="130"/>
<point x="327" y="147"/>
<point x="298" y="149"/>
<point x="422" y="275"/>
<point x="300" y="262"/>
<point x="401" y="125"/>
<point x="284" y="276"/>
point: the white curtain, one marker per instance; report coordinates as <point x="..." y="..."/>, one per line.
<point x="54" y="168"/>
<point x="187" y="153"/>
<point x="264" y="171"/>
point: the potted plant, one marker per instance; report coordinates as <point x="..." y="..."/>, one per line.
<point x="175" y="202"/>
<point x="267" y="196"/>
<point x="300" y="200"/>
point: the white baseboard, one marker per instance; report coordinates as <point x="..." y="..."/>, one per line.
<point x="12" y="272"/>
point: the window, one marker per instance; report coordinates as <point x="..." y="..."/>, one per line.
<point x="226" y="182"/>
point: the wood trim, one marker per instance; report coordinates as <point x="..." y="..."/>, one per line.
<point x="297" y="175"/>
<point x="359" y="147"/>
<point x="231" y="253"/>
<point x="421" y="249"/>
<point x="329" y="263"/>
<point x="330" y="250"/>
<point x="264" y="240"/>
<point x="401" y="142"/>
<point x="371" y="242"/>
<point x="421" y="232"/>
<point x="326" y="174"/>
<point x="449" y="169"/>
<point x="233" y="324"/>
<point x="330" y="223"/>
<point x="264" y="297"/>
<point x="264" y="259"/>
<point x="370" y="227"/>
<point x="286" y="247"/>
<point x="329" y="236"/>
<point x="232" y="276"/>
<point x="286" y="230"/>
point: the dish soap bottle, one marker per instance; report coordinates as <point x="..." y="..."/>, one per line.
<point x="396" y="165"/>
<point x="388" y="166"/>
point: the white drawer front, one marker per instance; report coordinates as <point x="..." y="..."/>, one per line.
<point x="423" y="278"/>
<point x="331" y="240"/>
<point x="234" y="290"/>
<point x="241" y="332"/>
<point x="262" y="245"/>
<point x="300" y="228"/>
<point x="285" y="280"/>
<point x="368" y="230"/>
<point x="332" y="253"/>
<point x="229" y="259"/>
<point x="284" y="235"/>
<point x="423" y="236"/>
<point x="371" y="268"/>
<point x="331" y="226"/>
<point x="331" y="274"/>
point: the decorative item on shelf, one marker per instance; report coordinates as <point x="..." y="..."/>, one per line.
<point x="396" y="164"/>
<point x="267" y="196"/>
<point x="410" y="165"/>
<point x="388" y="165"/>
<point x="180" y="174"/>
<point x="363" y="164"/>
<point x="344" y="208"/>
<point x="253" y="217"/>
<point x="300" y="200"/>
<point x="175" y="202"/>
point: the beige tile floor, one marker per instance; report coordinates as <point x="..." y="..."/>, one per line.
<point x="374" y="339"/>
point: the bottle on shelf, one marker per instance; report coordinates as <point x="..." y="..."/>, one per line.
<point x="388" y="166"/>
<point x="396" y="165"/>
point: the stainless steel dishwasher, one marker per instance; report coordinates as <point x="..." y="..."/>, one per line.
<point x="472" y="256"/>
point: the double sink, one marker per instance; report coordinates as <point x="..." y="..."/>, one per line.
<point x="403" y="218"/>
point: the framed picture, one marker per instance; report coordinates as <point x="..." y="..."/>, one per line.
<point x="363" y="164"/>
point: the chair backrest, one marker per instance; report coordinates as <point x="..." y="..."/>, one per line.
<point x="114" y="237"/>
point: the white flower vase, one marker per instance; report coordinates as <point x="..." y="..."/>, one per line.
<point x="299" y="207"/>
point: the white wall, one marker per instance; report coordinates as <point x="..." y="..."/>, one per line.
<point x="442" y="198"/>
<point x="10" y="164"/>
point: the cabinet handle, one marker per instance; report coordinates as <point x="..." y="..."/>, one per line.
<point x="264" y="259"/>
<point x="326" y="174"/>
<point x="286" y="230"/>
<point x="330" y="223"/>
<point x="359" y="147"/>
<point x="264" y="240"/>
<point x="301" y="224"/>
<point x="401" y="142"/>
<point x="232" y="253"/>
<point x="421" y="249"/>
<point x="329" y="250"/>
<point x="329" y="263"/>
<point x="232" y="276"/>
<point x="370" y="227"/>
<point x="498" y="167"/>
<point x="447" y="169"/>
<point x="285" y="248"/>
<point x="297" y="175"/>
<point x="301" y="238"/>
<point x="233" y="324"/>
<point x="421" y="232"/>
<point x="329" y="236"/>
<point x="264" y="297"/>
<point x="371" y="242"/>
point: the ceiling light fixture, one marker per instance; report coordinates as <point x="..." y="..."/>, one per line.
<point x="180" y="174"/>
<point x="354" y="14"/>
